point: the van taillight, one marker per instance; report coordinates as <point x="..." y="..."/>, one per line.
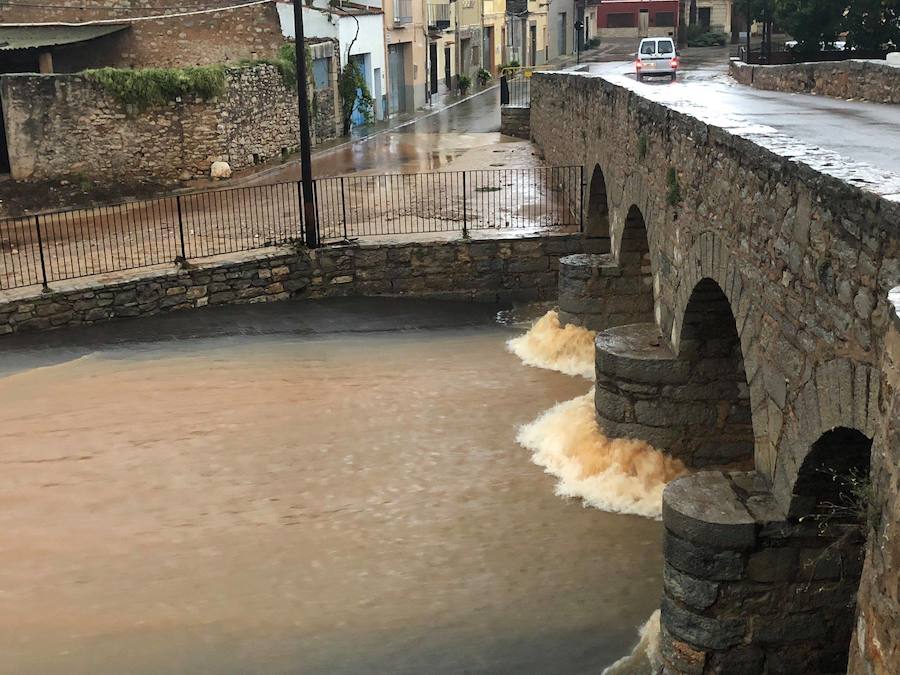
<point x="675" y="62"/>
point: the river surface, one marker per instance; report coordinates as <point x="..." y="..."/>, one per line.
<point x="300" y="488"/>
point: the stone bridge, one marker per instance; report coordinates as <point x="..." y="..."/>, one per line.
<point x="741" y="299"/>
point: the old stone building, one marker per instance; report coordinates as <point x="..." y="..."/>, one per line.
<point x="181" y="36"/>
<point x="68" y="126"/>
<point x="63" y="126"/>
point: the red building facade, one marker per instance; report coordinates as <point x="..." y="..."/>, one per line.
<point x="637" y="18"/>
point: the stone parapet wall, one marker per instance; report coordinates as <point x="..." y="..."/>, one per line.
<point x="861" y="80"/>
<point x="515" y="121"/>
<point x="479" y="270"/>
<point x="65" y="126"/>
<point x="748" y="592"/>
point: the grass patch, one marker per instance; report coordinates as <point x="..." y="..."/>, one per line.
<point x="673" y="188"/>
<point x="145" y="87"/>
<point x="642" y="146"/>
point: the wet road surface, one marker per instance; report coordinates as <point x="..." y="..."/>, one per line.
<point x="855" y="130"/>
<point x="428" y="143"/>
<point x="327" y="487"/>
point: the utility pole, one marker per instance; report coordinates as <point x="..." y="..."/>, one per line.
<point x="306" y="179"/>
<point x="457" y="39"/>
<point x="749" y="23"/>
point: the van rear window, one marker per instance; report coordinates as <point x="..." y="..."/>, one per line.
<point x="666" y="47"/>
<point x="648" y="47"/>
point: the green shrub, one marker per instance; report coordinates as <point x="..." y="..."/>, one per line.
<point x="144" y="87"/>
<point x="593" y="43"/>
<point x="704" y="39"/>
<point x="354" y="94"/>
<point x="483" y="76"/>
<point x="642" y="146"/>
<point x="673" y="192"/>
<point x="464" y="83"/>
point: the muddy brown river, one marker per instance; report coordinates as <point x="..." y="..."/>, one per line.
<point x="288" y="503"/>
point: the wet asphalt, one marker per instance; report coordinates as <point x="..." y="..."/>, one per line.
<point x="855" y="130"/>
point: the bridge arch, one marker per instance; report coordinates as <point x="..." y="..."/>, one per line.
<point x="832" y="475"/>
<point x="839" y="394"/>
<point x="717" y="388"/>
<point x="633" y="244"/>
<point x="597" y="224"/>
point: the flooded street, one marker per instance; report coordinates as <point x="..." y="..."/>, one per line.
<point x="300" y="488"/>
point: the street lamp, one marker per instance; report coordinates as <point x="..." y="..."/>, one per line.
<point x="306" y="180"/>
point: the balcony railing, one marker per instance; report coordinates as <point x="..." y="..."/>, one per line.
<point x="439" y="15"/>
<point x="403" y="10"/>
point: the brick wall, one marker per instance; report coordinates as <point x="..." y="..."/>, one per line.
<point x="62" y="126"/>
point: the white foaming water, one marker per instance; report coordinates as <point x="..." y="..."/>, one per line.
<point x="549" y="345"/>
<point x="616" y="475"/>
<point x="644" y="659"/>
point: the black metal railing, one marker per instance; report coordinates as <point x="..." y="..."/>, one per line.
<point x="515" y="87"/>
<point x="64" y="245"/>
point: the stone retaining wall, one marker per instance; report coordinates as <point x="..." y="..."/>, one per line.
<point x="515" y="122"/>
<point x="861" y="80"/>
<point x="481" y="270"/>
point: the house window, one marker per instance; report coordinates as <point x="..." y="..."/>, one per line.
<point x="665" y="19"/>
<point x="620" y="20"/>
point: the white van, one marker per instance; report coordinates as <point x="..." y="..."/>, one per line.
<point x="656" y="56"/>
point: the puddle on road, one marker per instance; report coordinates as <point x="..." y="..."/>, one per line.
<point x="274" y="505"/>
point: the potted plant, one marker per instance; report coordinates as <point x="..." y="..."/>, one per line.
<point x="464" y="83"/>
<point x="484" y="77"/>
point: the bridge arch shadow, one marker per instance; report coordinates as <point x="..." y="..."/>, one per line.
<point x="716" y="387"/>
<point x="833" y="477"/>
<point x="597" y="225"/>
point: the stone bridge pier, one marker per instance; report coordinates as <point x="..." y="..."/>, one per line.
<point x="741" y="300"/>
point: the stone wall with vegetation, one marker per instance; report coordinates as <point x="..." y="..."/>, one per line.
<point x="802" y="260"/>
<point x="71" y="127"/>
<point x="860" y="80"/>
<point x="480" y="270"/>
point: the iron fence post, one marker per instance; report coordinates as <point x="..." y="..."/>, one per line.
<point x="343" y="207"/>
<point x="180" y="228"/>
<point x="581" y="202"/>
<point x="300" y="205"/>
<point x="465" y="215"/>
<point x="37" y="226"/>
<point x="315" y="211"/>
